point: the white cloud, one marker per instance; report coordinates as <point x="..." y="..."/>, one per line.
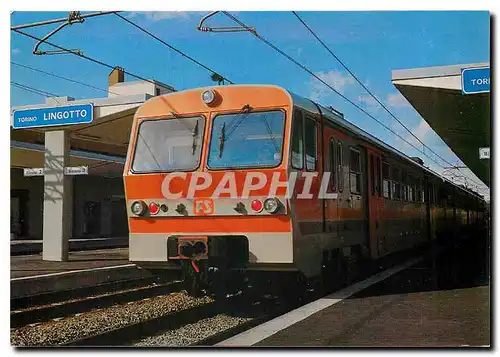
<point x="16" y="51"/>
<point x="334" y="79"/>
<point x="396" y="100"/>
<point x="161" y="15"/>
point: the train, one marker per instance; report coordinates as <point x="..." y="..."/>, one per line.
<point x="209" y="191"/>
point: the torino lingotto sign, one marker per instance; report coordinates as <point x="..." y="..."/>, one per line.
<point x="183" y="185"/>
<point x="53" y="116"/>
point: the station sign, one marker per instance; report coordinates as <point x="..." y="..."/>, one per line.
<point x="53" y="116"/>
<point x="76" y="170"/>
<point x="476" y="80"/>
<point x="484" y="153"/>
<point x="33" y="172"/>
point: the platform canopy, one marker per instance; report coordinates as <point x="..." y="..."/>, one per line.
<point x="461" y="120"/>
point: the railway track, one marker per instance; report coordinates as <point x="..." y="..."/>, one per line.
<point x="59" y="307"/>
<point x="170" y="320"/>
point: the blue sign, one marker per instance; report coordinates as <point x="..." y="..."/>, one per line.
<point x="476" y="80"/>
<point x="51" y="116"/>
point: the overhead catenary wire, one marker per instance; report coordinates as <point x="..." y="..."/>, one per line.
<point x="277" y="49"/>
<point x="101" y="63"/>
<point x="61" y="77"/>
<point x="172" y="47"/>
<point x="366" y="88"/>
<point x="33" y="90"/>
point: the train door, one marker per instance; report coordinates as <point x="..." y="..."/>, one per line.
<point x="375" y="202"/>
<point x="331" y="205"/>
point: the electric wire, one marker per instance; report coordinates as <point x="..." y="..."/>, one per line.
<point x="61" y="77"/>
<point x="88" y="58"/>
<point x="367" y="90"/>
<point x="172" y="47"/>
<point x="33" y="90"/>
<point x="277" y="49"/>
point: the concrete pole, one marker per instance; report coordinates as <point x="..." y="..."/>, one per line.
<point x="57" y="201"/>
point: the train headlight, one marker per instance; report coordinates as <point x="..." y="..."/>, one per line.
<point x="138" y="208"/>
<point x="208" y="96"/>
<point x="272" y="205"/>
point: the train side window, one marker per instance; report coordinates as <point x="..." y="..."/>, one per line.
<point x="378" y="177"/>
<point x="340" y="167"/>
<point x="411" y="189"/>
<point x="331" y="153"/>
<point x="355" y="171"/>
<point x="396" y="184"/>
<point x="372" y="174"/>
<point x="431" y="193"/>
<point x="422" y="191"/>
<point x="311" y="134"/>
<point x="298" y="140"/>
<point x="386" y="182"/>
<point x="404" y="185"/>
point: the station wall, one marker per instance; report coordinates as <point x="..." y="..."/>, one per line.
<point x="98" y="206"/>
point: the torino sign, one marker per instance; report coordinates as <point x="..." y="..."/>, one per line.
<point x="52" y="116"/>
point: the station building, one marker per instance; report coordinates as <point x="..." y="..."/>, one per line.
<point x="97" y="199"/>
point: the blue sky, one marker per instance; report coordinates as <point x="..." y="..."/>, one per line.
<point x="371" y="44"/>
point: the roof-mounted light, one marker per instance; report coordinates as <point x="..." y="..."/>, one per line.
<point x="208" y="96"/>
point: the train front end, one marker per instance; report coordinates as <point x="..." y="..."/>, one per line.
<point x="205" y="182"/>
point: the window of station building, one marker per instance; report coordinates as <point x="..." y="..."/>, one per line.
<point x="396" y="183"/>
<point x="298" y="140"/>
<point x="386" y="181"/>
<point x="355" y="170"/>
<point x="340" y="167"/>
<point x="310" y="144"/>
<point x="332" y="168"/>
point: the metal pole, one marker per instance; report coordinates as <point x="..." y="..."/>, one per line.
<point x="41" y="23"/>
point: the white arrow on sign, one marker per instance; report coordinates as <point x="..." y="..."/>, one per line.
<point x="76" y="170"/>
<point x="33" y="172"/>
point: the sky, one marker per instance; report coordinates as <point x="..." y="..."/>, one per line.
<point x="371" y="44"/>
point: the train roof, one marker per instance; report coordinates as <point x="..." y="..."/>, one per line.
<point x="340" y="120"/>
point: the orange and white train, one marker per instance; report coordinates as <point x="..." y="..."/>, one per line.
<point x="198" y="177"/>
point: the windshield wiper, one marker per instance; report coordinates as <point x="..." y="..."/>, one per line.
<point x="222" y="139"/>
<point x="195" y="136"/>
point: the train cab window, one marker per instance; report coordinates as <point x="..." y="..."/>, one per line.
<point x="355" y="171"/>
<point x="332" y="168"/>
<point x="396" y="184"/>
<point x="378" y="177"/>
<point x="386" y="181"/>
<point x="298" y="140"/>
<point x="167" y="145"/>
<point x="340" y="167"/>
<point x="311" y="141"/>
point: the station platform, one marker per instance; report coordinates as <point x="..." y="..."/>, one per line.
<point x="441" y="300"/>
<point x="31" y="275"/>
<point x="25" y="246"/>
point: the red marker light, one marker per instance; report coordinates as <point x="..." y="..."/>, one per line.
<point x="154" y="208"/>
<point x="257" y="205"/>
